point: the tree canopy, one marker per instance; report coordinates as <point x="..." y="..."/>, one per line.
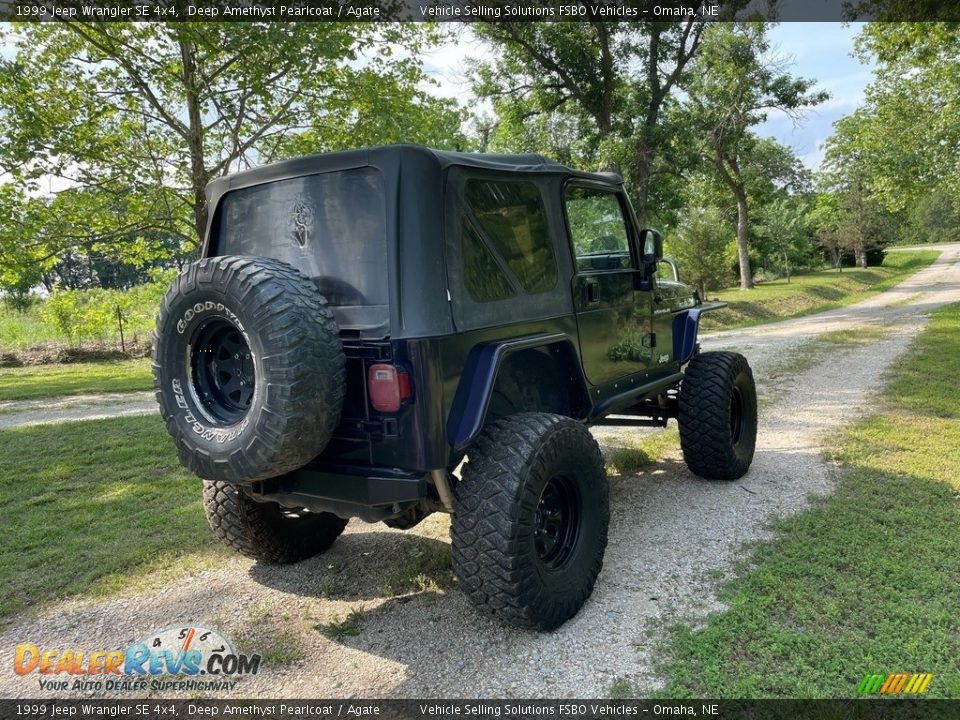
<point x="131" y="121"/>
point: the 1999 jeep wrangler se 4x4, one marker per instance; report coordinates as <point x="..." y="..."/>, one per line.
<point x="360" y="322"/>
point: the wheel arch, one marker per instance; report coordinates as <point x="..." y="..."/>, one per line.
<point x="489" y="363"/>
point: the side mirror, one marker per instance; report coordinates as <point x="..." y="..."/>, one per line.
<point x="652" y="244"/>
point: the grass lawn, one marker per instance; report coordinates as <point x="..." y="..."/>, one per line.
<point x="41" y="381"/>
<point x="868" y="579"/>
<point x="93" y="507"/>
<point x="812" y="292"/>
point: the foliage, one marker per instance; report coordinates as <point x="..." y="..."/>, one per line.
<point x="386" y="106"/>
<point x="915" y="98"/>
<point x="700" y="246"/>
<point x="98" y="314"/>
<point x="735" y="84"/>
<point x="849" y="220"/>
<point x="593" y="94"/>
<point x="935" y="217"/>
<point x="131" y="121"/>
<point x="785" y="229"/>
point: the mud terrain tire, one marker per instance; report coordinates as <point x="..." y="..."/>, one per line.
<point x="530" y="520"/>
<point x="248" y="368"/>
<point x="267" y="532"/>
<point x="718" y="416"/>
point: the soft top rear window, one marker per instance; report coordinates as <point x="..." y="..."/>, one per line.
<point x="331" y="227"/>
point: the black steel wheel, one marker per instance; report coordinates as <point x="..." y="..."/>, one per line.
<point x="223" y="370"/>
<point x="530" y="519"/>
<point x="718" y="416"/>
<point x="557" y="522"/>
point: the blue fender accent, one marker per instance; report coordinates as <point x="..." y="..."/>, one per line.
<point x="685" y="325"/>
<point x="479" y="375"/>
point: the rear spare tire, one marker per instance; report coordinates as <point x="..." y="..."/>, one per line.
<point x="248" y="368"/>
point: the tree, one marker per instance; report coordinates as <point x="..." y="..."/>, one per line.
<point x="784" y="223"/>
<point x="605" y="86"/>
<point x="848" y="222"/>
<point x="935" y="217"/>
<point x="914" y="98"/>
<point x="134" y="120"/>
<point x="700" y="248"/>
<point x="736" y="83"/>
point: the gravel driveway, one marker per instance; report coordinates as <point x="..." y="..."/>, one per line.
<point x="670" y="533"/>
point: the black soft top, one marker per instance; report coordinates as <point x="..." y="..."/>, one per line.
<point x="388" y="156"/>
<point x="406" y="296"/>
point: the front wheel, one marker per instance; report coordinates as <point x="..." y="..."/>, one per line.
<point x="718" y="416"/>
<point x="530" y="520"/>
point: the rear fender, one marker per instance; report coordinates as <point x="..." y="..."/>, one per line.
<point x="472" y="399"/>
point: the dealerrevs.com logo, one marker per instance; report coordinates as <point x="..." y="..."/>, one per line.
<point x="177" y="658"/>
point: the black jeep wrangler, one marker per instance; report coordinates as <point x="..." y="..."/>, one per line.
<point x="361" y="322"/>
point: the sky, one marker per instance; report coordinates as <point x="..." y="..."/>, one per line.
<point x="820" y="51"/>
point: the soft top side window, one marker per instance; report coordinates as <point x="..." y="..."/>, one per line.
<point x="513" y="222"/>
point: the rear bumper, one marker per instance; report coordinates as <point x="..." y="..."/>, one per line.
<point x="371" y="494"/>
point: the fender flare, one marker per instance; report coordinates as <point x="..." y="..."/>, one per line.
<point x="469" y="409"/>
<point x="686" y="325"/>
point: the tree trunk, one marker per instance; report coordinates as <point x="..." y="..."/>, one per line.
<point x="743" y="226"/>
<point x="861" y="255"/>
<point x="644" y="167"/>
<point x="199" y="177"/>
<point x="786" y="265"/>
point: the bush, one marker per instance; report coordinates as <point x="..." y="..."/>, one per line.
<point x="98" y="314"/>
<point x="19" y="301"/>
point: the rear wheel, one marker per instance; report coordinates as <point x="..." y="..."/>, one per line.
<point x="718" y="416"/>
<point x="530" y="520"/>
<point x="267" y="532"/>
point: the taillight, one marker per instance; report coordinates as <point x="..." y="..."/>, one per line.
<point x="387" y="387"/>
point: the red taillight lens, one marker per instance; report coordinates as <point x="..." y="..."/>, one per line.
<point x="387" y="387"/>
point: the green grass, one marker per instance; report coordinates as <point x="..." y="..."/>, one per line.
<point x="866" y="580"/>
<point x="643" y="452"/>
<point x="43" y="381"/>
<point x="20" y="330"/>
<point x="812" y="292"/>
<point x="349" y="626"/>
<point x="427" y="567"/>
<point x="92" y="508"/>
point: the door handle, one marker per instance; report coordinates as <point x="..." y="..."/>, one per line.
<point x="591" y="292"/>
